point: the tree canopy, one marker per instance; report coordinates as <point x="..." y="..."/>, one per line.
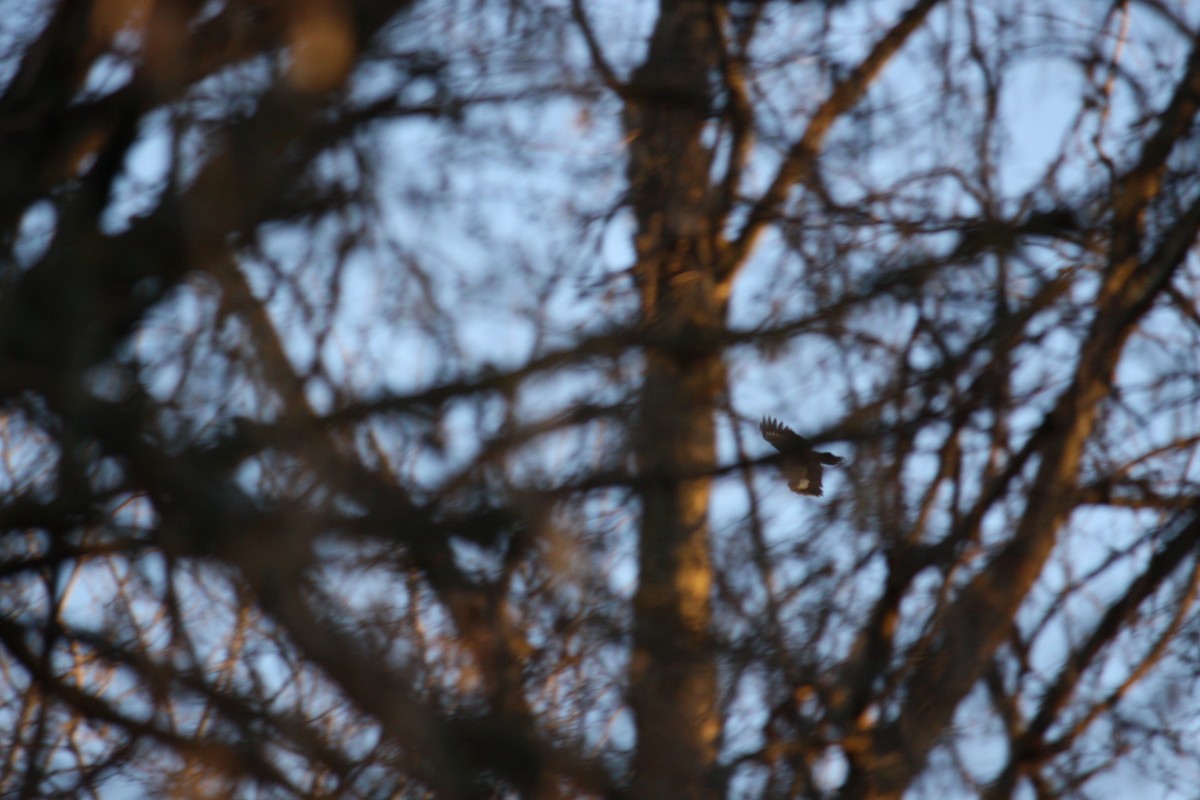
<point x="381" y="381"/>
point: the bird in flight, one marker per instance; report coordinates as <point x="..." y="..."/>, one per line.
<point x="800" y="463"/>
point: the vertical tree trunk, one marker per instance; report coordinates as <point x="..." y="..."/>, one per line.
<point x="673" y="673"/>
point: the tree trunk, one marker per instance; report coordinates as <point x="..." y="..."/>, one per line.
<point x="673" y="672"/>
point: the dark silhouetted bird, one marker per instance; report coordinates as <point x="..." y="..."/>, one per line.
<point x="800" y="463"/>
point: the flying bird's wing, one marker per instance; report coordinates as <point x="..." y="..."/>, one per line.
<point x="781" y="437"/>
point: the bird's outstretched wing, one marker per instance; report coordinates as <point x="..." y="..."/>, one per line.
<point x="781" y="437"/>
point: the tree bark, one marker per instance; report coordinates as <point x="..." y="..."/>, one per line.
<point x="673" y="684"/>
